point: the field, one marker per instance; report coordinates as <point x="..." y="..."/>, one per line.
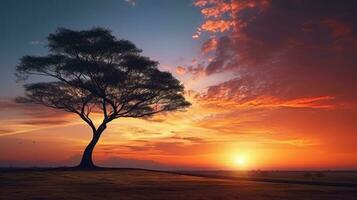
<point x="128" y="184"/>
<point x="334" y="178"/>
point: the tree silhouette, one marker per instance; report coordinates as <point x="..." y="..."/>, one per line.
<point x="92" y="71"/>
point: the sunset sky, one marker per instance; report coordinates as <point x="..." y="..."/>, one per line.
<point x="273" y="84"/>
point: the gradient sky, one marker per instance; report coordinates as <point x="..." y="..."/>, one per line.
<point x="272" y="82"/>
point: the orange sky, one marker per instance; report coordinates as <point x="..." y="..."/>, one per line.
<point x="267" y="93"/>
<point x="209" y="135"/>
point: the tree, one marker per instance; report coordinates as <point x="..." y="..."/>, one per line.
<point x="92" y="71"/>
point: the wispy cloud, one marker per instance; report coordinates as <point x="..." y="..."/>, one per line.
<point x="131" y="2"/>
<point x="35" y="42"/>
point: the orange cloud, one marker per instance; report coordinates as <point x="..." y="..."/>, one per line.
<point x="214" y="10"/>
<point x="217" y="10"/>
<point x="201" y="3"/>
<point x="209" y="45"/>
<point x="323" y="102"/>
<point x="216" y="25"/>
<point x="180" y="70"/>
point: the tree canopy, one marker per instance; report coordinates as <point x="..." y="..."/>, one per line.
<point x="92" y="70"/>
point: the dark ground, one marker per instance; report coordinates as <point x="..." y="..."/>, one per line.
<point x="127" y="184"/>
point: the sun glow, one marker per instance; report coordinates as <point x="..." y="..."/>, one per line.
<point x="240" y="161"/>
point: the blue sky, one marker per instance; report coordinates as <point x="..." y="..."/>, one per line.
<point x="162" y="28"/>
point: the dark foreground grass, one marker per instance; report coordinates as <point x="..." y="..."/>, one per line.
<point x="128" y="184"/>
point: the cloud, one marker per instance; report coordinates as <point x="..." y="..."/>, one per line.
<point x="249" y="92"/>
<point x="284" y="50"/>
<point x="131" y="2"/>
<point x="291" y="142"/>
<point x="217" y="10"/>
<point x="195" y="36"/>
<point x="194" y="140"/>
<point x="216" y="25"/>
<point x="45" y="122"/>
<point x="34" y="110"/>
<point x="22" y="118"/>
<point x="35" y="42"/>
<point x="269" y="102"/>
<point x="180" y="70"/>
<point x="5" y="131"/>
<point x="209" y="45"/>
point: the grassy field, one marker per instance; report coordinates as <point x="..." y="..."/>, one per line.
<point x="140" y="184"/>
<point x="306" y="177"/>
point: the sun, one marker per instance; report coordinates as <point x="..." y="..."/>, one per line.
<point x="240" y="161"/>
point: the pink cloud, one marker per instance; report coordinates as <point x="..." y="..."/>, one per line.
<point x="180" y="70"/>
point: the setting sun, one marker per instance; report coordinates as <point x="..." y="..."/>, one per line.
<point x="240" y="161"/>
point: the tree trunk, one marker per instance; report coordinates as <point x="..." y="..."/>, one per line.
<point x="87" y="161"/>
